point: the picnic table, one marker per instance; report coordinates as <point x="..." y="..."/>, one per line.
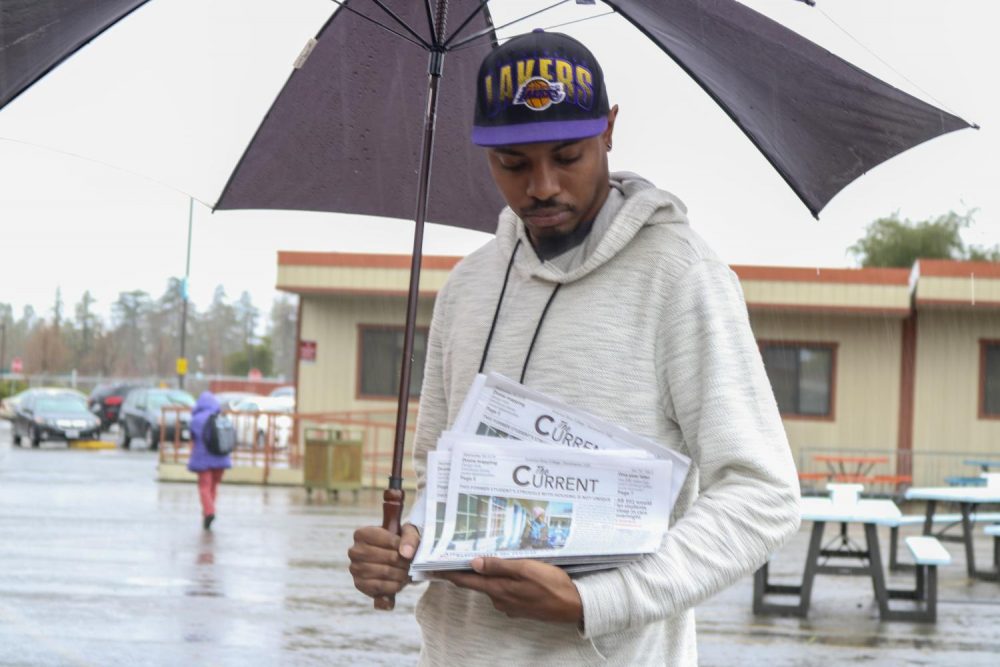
<point x="983" y="464"/>
<point x="969" y="499"/>
<point x="850" y="468"/>
<point x="868" y="560"/>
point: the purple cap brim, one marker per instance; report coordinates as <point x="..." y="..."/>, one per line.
<point x="530" y="133"/>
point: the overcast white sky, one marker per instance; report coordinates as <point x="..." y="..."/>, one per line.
<point x="170" y="97"/>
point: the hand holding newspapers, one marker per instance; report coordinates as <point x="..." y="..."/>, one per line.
<point x="522" y="475"/>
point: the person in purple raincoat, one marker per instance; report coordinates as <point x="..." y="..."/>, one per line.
<point x="206" y="465"/>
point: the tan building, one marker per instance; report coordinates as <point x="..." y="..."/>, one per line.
<point x="879" y="362"/>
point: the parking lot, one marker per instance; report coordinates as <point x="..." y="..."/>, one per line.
<point x="102" y="565"/>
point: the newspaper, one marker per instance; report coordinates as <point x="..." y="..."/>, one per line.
<point x="498" y="407"/>
<point x="439" y="475"/>
<point x="537" y="427"/>
<point x="552" y="504"/>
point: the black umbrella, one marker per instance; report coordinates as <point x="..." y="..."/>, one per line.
<point x="353" y="130"/>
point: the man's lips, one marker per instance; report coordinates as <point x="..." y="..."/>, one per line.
<point x="549" y="217"/>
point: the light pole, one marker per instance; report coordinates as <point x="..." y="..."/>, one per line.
<point x="182" y="365"/>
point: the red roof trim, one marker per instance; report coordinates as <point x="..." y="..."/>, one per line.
<point x="946" y="268"/>
<point x="819" y="275"/>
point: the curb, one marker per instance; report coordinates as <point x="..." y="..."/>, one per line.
<point x="92" y="444"/>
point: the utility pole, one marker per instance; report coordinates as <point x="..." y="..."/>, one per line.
<point x="3" y="346"/>
<point x="182" y="364"/>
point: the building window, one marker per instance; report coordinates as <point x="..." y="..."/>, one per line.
<point x="990" y="378"/>
<point x="382" y="358"/>
<point x="801" y="376"/>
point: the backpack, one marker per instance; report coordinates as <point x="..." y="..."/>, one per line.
<point x="220" y="435"/>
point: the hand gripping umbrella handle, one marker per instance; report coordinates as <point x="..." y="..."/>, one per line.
<point x="392" y="513"/>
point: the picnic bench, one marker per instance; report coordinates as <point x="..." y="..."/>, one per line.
<point x="969" y="500"/>
<point x="950" y="521"/>
<point x="994" y="532"/>
<point x="928" y="553"/>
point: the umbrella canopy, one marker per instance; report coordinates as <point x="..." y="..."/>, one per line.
<point x="344" y="133"/>
<point x="37" y="35"/>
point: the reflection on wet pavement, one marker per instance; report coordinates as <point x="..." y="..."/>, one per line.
<point x="102" y="565"/>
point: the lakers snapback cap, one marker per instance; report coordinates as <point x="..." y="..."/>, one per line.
<point x="540" y="86"/>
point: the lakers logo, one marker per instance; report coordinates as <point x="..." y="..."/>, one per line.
<point x="538" y="94"/>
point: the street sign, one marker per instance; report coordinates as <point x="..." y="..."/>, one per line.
<point x="307" y="350"/>
<point x="254" y="374"/>
<point x="182" y="365"/>
<point x="16" y="365"/>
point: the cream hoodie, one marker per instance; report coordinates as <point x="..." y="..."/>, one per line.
<point x="648" y="330"/>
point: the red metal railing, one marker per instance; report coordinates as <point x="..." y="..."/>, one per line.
<point x="277" y="440"/>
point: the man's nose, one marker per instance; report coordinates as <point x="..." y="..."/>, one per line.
<point x="543" y="183"/>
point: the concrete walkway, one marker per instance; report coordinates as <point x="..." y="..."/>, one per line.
<point x="102" y="565"/>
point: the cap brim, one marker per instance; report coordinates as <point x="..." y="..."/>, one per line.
<point x="531" y="133"/>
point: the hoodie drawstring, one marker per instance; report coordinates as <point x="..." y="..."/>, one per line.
<point x="527" y="358"/>
<point x="496" y="313"/>
<point x="496" y="316"/>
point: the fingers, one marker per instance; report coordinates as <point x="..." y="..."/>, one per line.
<point x="409" y="541"/>
<point x="470" y="580"/>
<point x="376" y="536"/>
<point x="363" y="570"/>
<point x="375" y="588"/>
<point x="377" y="565"/>
<point x="499" y="567"/>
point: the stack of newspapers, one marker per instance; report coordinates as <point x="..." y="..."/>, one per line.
<point x="522" y="475"/>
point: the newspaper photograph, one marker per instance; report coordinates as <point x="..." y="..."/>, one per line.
<point x="498" y="407"/>
<point x="553" y="504"/>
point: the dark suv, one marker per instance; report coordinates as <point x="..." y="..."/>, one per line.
<point x="142" y="410"/>
<point x="106" y="400"/>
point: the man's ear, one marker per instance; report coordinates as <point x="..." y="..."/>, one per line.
<point x="606" y="137"/>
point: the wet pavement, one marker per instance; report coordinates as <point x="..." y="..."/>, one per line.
<point x="102" y="565"/>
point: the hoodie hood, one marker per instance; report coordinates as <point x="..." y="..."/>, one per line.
<point x="644" y="205"/>
<point x="207" y="403"/>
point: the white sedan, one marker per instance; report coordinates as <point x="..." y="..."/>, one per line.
<point x="253" y="419"/>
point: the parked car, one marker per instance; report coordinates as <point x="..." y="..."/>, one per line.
<point x="53" y="414"/>
<point x="251" y="420"/>
<point x="8" y="405"/>
<point x="106" y="401"/>
<point x="287" y="391"/>
<point x="229" y="399"/>
<point x="140" y="414"/>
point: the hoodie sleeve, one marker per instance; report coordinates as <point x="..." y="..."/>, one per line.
<point x="748" y="500"/>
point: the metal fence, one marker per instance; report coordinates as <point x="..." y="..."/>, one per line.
<point x="276" y="440"/>
<point x="894" y="471"/>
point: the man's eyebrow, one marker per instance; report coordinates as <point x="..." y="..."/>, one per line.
<point x="507" y="150"/>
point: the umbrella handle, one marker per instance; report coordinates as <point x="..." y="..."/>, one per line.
<point x="392" y="514"/>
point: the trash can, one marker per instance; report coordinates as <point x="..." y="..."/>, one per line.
<point x="331" y="462"/>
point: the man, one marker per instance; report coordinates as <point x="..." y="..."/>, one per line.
<point x="596" y="291"/>
<point x="536" y="530"/>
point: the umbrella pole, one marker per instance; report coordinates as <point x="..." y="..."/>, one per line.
<point x="392" y="499"/>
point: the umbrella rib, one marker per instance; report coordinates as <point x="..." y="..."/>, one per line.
<point x="343" y="5"/>
<point x="402" y="24"/>
<point x="467" y="21"/>
<point x="430" y="23"/>
<point x="487" y="31"/>
<point x="588" y="18"/>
